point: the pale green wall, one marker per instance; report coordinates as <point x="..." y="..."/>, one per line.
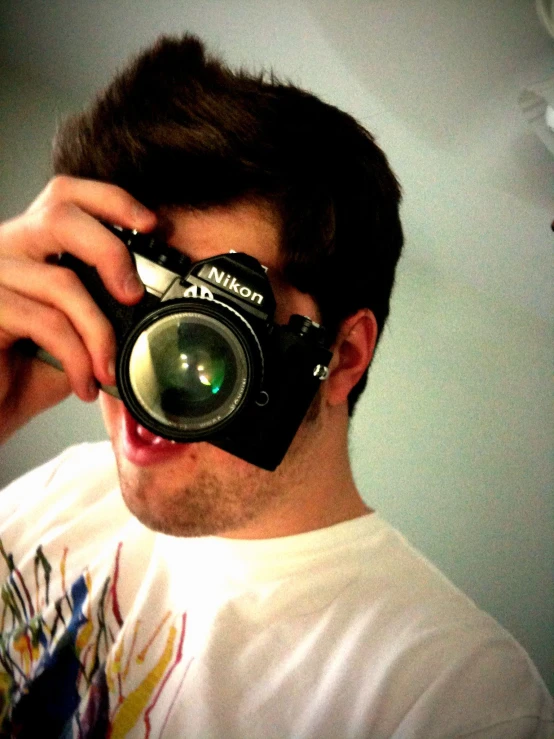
<point x="453" y="442"/>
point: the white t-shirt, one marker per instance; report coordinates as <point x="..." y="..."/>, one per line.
<point x="109" y="629"/>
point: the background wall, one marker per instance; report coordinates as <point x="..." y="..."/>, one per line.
<point x="453" y="441"/>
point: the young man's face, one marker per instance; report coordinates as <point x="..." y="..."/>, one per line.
<point x="197" y="489"/>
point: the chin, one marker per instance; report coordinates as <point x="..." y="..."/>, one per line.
<point x="188" y="489"/>
<point x="196" y="497"/>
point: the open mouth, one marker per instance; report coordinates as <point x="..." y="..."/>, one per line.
<point x="142" y="447"/>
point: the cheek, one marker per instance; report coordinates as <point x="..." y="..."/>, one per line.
<point x="111" y="412"/>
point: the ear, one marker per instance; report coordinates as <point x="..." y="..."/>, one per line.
<point x="352" y="353"/>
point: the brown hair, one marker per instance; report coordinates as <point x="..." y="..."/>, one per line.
<point x="179" y="127"/>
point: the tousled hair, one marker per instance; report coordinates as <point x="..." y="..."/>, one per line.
<point x="178" y="127"/>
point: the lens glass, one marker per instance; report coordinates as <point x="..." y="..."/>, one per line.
<point x="188" y="370"/>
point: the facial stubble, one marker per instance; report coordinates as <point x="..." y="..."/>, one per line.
<point x="222" y="495"/>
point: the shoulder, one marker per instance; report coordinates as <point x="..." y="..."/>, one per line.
<point x="83" y="465"/>
<point x="58" y="493"/>
<point x="449" y="668"/>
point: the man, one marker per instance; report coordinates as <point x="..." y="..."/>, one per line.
<point x="162" y="589"/>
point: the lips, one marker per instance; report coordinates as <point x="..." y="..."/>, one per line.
<point x="142" y="447"/>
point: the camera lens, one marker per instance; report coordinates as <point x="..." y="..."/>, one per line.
<point x="188" y="371"/>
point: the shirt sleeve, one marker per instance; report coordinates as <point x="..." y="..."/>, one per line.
<point x="526" y="727"/>
<point x="487" y="689"/>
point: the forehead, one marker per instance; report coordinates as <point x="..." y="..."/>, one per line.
<point x="242" y="227"/>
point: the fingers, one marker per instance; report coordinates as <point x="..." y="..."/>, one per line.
<point x="48" y="303"/>
<point x="58" y="288"/>
<point x="64" y="218"/>
<point x="25" y="318"/>
<point x="102" y="200"/>
<point x="66" y="228"/>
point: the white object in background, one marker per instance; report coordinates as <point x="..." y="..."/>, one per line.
<point x="549" y="117"/>
<point x="545" y="10"/>
<point x="537" y="104"/>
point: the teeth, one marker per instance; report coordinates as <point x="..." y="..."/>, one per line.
<point x="151" y="438"/>
<point x="146" y="435"/>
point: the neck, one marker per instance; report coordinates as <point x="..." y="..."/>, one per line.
<point x="317" y="483"/>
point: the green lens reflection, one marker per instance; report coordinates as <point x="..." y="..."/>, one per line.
<point x="188" y="370"/>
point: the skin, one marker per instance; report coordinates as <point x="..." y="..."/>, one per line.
<point x="202" y="490"/>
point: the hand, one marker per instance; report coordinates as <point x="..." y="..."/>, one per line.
<point x="48" y="304"/>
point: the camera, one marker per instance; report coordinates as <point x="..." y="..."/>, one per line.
<point x="200" y="357"/>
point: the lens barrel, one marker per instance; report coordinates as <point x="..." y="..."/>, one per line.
<point x="187" y="369"/>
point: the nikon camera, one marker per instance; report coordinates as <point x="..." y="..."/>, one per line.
<point x="200" y="357"/>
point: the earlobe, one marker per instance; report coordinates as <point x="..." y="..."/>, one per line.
<point x="352" y="353"/>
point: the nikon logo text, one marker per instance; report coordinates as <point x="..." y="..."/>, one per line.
<point x="233" y="285"/>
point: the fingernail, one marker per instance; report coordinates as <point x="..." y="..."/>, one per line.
<point x="140" y="211"/>
<point x="111" y="369"/>
<point x="133" y="285"/>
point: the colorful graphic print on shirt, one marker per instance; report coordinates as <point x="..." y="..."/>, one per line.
<point x="71" y="666"/>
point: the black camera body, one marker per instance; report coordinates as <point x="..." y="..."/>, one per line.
<point x="200" y="357"/>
